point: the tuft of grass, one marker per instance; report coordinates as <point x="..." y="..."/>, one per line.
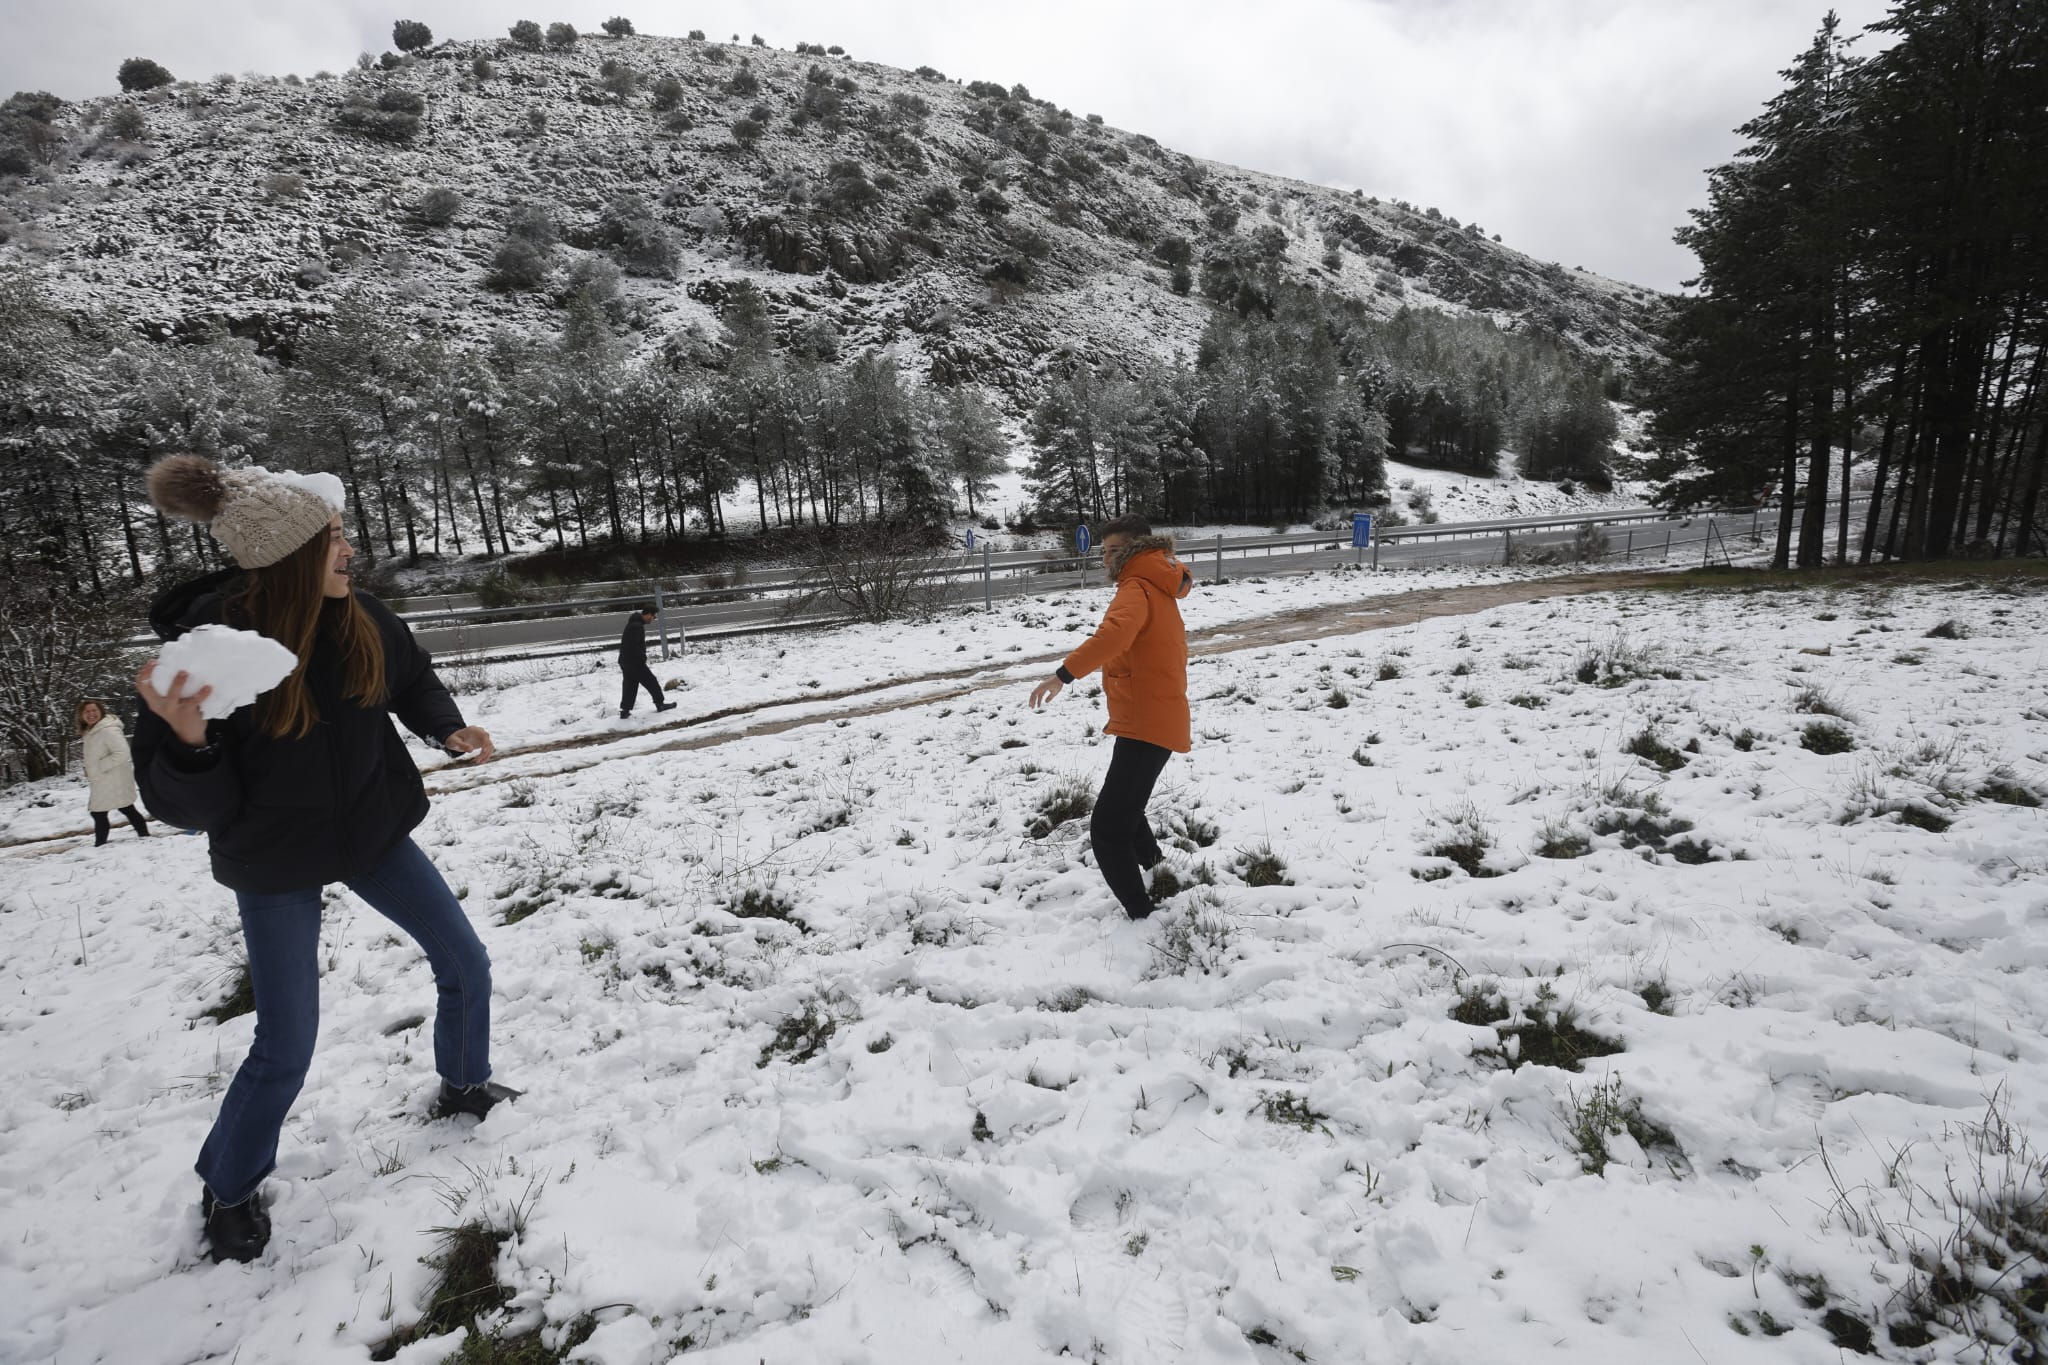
<point x="1389" y="670"/>
<point x="1826" y="737"/>
<point x="1528" y="701"/>
<point x="1651" y="749"/>
<point x="1950" y="629"/>
<point x="1692" y="851"/>
<point x="1481" y="1004"/>
<point x="1656" y="996"/>
<point x="762" y="902"/>
<point x="1189" y="831"/>
<point x="240" y="999"/>
<point x="1746" y="740"/>
<point x="881" y="1044"/>
<point x="1291" y="1111"/>
<point x="1194" y="938"/>
<point x="1817" y="701"/>
<point x="1924" y="817"/>
<point x="1337" y="701"/>
<point x="2002" y="788"/>
<point x="1069" y="799"/>
<point x="1639" y="820"/>
<point x="981" y="1131"/>
<point x="1548" y="1034"/>
<point x="801" y="1034"/>
<point x="1259" y="865"/>
<point x="1556" y="839"/>
<point x="1616" y="663"/>
<point x="1069" y="1000"/>
<point x="1165" y="884"/>
<point x="466" y="1291"/>
<point x="1979" y="1269"/>
<point x="1467" y="844"/>
<point x="1605" y="1111"/>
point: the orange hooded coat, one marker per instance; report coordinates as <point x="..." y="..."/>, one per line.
<point x="1142" y="648"/>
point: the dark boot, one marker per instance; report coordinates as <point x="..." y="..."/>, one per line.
<point x="235" y="1232"/>
<point x="135" y="819"/>
<point x="664" y="706"/>
<point x="478" y="1100"/>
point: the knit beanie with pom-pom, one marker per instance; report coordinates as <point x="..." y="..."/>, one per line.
<point x="260" y="517"/>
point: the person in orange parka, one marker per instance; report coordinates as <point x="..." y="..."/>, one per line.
<point x="1142" y="651"/>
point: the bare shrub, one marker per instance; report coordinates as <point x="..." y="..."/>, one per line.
<point x="875" y="573"/>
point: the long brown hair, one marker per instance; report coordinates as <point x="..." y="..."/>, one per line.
<point x="78" y="715"/>
<point x="287" y="601"/>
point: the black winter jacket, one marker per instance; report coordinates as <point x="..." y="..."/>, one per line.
<point x="633" y="644"/>
<point x="289" y="814"/>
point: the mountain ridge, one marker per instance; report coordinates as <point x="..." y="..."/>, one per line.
<point x="972" y="229"/>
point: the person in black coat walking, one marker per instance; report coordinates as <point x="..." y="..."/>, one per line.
<point x="633" y="664"/>
<point x="306" y="786"/>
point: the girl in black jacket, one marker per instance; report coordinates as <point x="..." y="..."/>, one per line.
<point x="307" y="786"/>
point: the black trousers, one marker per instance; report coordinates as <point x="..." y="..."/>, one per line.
<point x="101" y="825"/>
<point x="638" y="676"/>
<point x="1122" y="837"/>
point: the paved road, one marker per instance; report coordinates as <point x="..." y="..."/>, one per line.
<point x="1699" y="539"/>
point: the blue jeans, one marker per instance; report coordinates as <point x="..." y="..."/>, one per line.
<point x="282" y="932"/>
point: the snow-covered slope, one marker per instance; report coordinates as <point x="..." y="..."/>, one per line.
<point x="245" y="203"/>
<point x="929" y="1099"/>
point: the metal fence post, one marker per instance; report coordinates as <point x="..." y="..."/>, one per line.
<point x="1507" y="546"/>
<point x="1630" y="552"/>
<point x="1667" y="544"/>
<point x="988" y="592"/>
<point x="1219" y="556"/>
<point x="661" y="620"/>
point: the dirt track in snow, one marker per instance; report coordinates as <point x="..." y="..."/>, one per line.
<point x="1310" y="623"/>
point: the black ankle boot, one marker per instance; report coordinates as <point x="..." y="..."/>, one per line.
<point x="235" y="1232"/>
<point x="478" y="1100"/>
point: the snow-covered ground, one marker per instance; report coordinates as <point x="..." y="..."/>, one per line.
<point x="939" y="1103"/>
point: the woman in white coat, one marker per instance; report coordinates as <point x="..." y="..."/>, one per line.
<point x="109" y="771"/>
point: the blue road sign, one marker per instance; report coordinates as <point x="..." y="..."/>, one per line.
<point x="1081" y="540"/>
<point x="1361" y="530"/>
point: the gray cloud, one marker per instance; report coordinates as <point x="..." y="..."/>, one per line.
<point x="1579" y="130"/>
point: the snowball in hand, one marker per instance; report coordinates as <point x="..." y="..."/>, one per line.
<point x="239" y="665"/>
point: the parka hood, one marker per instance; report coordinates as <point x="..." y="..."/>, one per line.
<point x="1160" y="569"/>
<point x="177" y="609"/>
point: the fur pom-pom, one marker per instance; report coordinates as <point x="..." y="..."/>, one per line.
<point x="188" y="486"/>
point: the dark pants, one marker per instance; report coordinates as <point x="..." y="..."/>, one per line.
<point x="282" y="932"/>
<point x="102" y="826"/>
<point x="1124" y="843"/>
<point x="638" y="676"/>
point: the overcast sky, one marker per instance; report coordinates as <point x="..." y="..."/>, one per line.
<point x="1579" y="130"/>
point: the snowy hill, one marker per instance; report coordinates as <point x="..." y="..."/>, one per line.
<point x="1640" y="976"/>
<point x="975" y="228"/>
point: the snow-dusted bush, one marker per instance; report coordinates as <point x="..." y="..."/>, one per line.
<point x="620" y="81"/>
<point x="562" y="37"/>
<point x="526" y="34"/>
<point x="636" y="239"/>
<point x="126" y="124"/>
<point x="667" y="93"/>
<point x="392" y="116"/>
<point x="848" y="189"/>
<point x="140" y="73"/>
<point x="410" y="35"/>
<point x="519" y="264"/>
<point x="438" y="206"/>
<point x="618" y="26"/>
